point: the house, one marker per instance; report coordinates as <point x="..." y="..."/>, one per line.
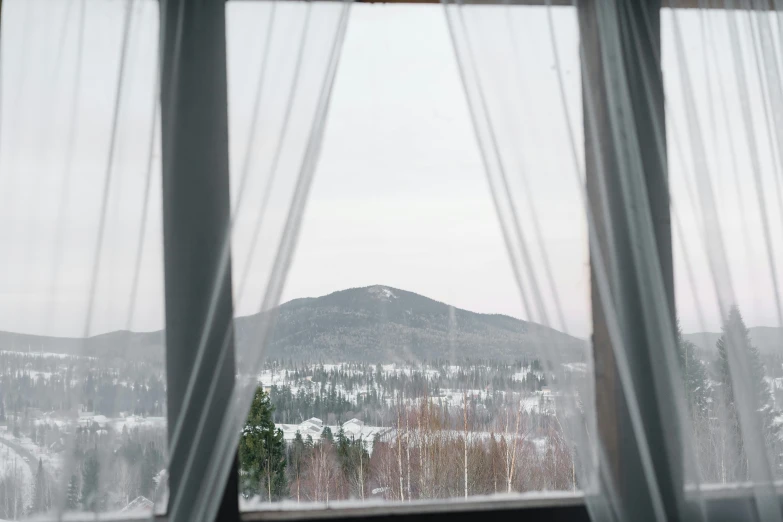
<point x="57" y="446"/>
<point x="139" y="504"/>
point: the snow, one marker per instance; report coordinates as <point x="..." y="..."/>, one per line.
<point x="12" y="462"/>
<point x="46" y="354"/>
<point x="522" y="375"/>
<point x="52" y="461"/>
<point x="135" y="421"/>
<point x="36" y="374"/>
<point x="576" y="367"/>
<point x="353" y="428"/>
<point x="139" y="505"/>
<point x="382" y="293"/>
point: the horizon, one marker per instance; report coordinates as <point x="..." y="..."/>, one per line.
<point x="400" y="193"/>
<point x="236" y="316"/>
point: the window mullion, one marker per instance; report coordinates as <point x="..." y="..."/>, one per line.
<point x="621" y="54"/>
<point x="196" y="219"/>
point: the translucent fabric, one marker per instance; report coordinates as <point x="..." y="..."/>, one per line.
<point x="83" y="405"/>
<point x="709" y="413"/>
<point x="629" y="158"/>
<point x="521" y="71"/>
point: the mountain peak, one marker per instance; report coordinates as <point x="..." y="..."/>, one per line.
<point x="383" y="293"/>
<point x="380" y="323"/>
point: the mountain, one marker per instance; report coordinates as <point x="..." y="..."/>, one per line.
<point x="120" y="344"/>
<point x="382" y="324"/>
<point x="767" y="339"/>
<point x="372" y="324"/>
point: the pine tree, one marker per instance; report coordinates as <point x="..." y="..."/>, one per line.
<point x="262" y="452"/>
<point x="72" y="500"/>
<point x="41" y="495"/>
<point x="736" y="336"/>
<point x="90" y="471"/>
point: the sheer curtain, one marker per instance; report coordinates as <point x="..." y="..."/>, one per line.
<point x="80" y="178"/>
<point x="280" y="81"/>
<point x="81" y="222"/>
<point x="715" y="415"/>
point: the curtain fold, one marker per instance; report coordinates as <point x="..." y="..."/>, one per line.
<point x="280" y="82"/>
<point x="691" y="416"/>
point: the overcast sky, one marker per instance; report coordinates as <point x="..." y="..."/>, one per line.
<point x="399" y="196"/>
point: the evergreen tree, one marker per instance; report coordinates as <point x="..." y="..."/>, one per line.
<point x="262" y="452"/>
<point x="151" y="464"/>
<point x="90" y="471"/>
<point x="72" y="500"/>
<point x="326" y="434"/>
<point x="41" y="495"/>
<point x="736" y="337"/>
<point x="694" y="377"/>
<point x="298" y="453"/>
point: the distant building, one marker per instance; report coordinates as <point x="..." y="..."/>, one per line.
<point x="354" y="429"/>
<point x="139" y="504"/>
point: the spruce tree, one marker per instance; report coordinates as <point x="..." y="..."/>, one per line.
<point x="736" y="336"/>
<point x="41" y="496"/>
<point x="694" y="376"/>
<point x="262" y="452"/>
<point x="151" y="464"/>
<point x="90" y="471"/>
<point x="72" y="500"/>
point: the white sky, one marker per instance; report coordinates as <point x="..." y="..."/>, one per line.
<point x="399" y="197"/>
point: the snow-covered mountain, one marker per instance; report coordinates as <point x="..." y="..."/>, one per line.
<point x="373" y="324"/>
<point x="384" y="324"/>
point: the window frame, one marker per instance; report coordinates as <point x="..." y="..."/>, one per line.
<point x="199" y="25"/>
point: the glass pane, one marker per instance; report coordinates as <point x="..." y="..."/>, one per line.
<point x="723" y="127"/>
<point x="82" y="380"/>
<point x="403" y="364"/>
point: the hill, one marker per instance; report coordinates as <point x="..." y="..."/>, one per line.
<point x="383" y="324"/>
<point x="372" y="324"/>
<point x="767" y="339"/>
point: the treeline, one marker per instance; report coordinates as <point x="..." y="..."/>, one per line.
<point x="109" y="470"/>
<point x="715" y="413"/>
<point x="470" y="373"/>
<point x="52" y="383"/>
<point x="368" y="391"/>
<point x="429" y="452"/>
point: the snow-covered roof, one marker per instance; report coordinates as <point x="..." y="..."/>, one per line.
<point x="139" y="504"/>
<point x="354" y="429"/>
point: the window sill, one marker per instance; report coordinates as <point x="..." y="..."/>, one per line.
<point x="546" y="506"/>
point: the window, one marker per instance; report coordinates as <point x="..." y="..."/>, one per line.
<point x="302" y="200"/>
<point x="386" y="383"/>
<point x="83" y="386"/>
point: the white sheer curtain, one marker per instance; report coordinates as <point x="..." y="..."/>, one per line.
<point x="280" y="81"/>
<point x="521" y="71"/>
<point x="81" y="223"/>
<point x="721" y="67"/>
